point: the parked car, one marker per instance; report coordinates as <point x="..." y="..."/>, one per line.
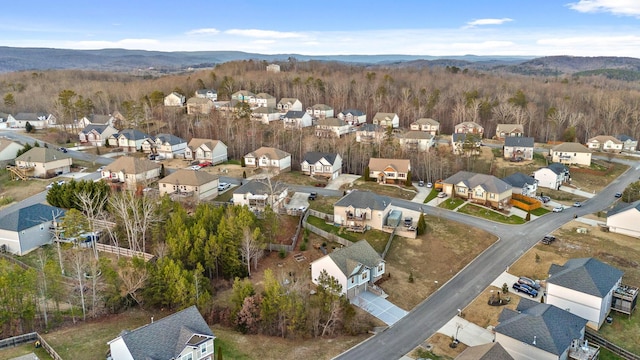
<point x="442" y="195"/>
<point x="194" y="167"/>
<point x="63" y="149"/>
<point x="313" y="195"/>
<point x="206" y="164"/>
<point x="548" y="239"/>
<point x="618" y="195"/>
<point x="577" y="204"/>
<point x="429" y="185"/>
<point x="525" y="289"/>
<point x="420" y="183"/>
<point x="558" y="209"/>
<point x="223" y="186"/>
<point x="545" y="199"/>
<point x="100" y="169"/>
<point x="529" y="282"/>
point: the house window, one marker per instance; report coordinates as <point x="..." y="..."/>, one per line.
<point x="203" y="349"/>
<point x="164" y="185"/>
<point x="187" y="357"/>
<point x="380" y="268"/>
<point x="364" y="276"/>
<point x="41" y="227"/>
<point x="353" y="280"/>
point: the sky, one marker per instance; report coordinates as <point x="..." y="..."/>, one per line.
<point x="331" y="27"/>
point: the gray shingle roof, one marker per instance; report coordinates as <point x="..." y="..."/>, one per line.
<point x="29" y="217"/>
<point x="586" y="275"/>
<point x="489" y="183"/>
<point x="624" y="138"/>
<point x="295" y="114"/>
<point x="313" y="157"/>
<point x="571" y="147"/>
<point x="132" y="134"/>
<point x="256" y="187"/>
<point x="557" y="168"/>
<point x="189" y="178"/>
<point x="331" y="122"/>
<point x="347" y="259"/>
<point x="98" y="128"/>
<point x="353" y="112"/>
<point x="167" y="337"/>
<point x="552" y="328"/>
<point x="364" y="200"/>
<point x="622" y="206"/>
<point x="415" y="134"/>
<point x="519" y="180"/>
<point x="461" y="137"/>
<point x="490" y="351"/>
<point x="170" y="139"/>
<point x="518" y="141"/>
<point x="42" y="155"/>
<point x="369" y="127"/>
<point x="30" y="116"/>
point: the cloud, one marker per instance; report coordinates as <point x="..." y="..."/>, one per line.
<point x="205" y="31"/>
<point x="616" y="7"/>
<point x="481" y="22"/>
<point x="256" y="33"/>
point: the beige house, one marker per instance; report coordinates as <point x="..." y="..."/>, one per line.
<point x="370" y="134"/>
<point x="197" y="184"/>
<point x="353" y="117"/>
<point x="389" y="171"/>
<point x="571" y="153"/>
<point x="198" y="105"/>
<point x="265" y="115"/>
<point x="416" y="140"/>
<point x="9" y="149"/>
<point x="214" y="151"/>
<point x="427" y="125"/>
<point x="96" y="135"/>
<point x="320" y="111"/>
<point x="386" y="120"/>
<point x="332" y="127"/>
<point x="44" y="162"/>
<point x="483" y="189"/>
<point x="605" y="143"/>
<point x="269" y="158"/>
<point x="131" y="171"/>
<point x="469" y="127"/>
<point x="506" y="130"/>
<point x="361" y="209"/>
<point x="286" y="104"/>
<point x="263" y="100"/>
<point x="625" y="219"/>
<point x="174" y="99"/>
<point x="243" y="96"/>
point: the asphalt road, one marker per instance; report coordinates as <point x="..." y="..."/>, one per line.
<point x="514" y="240"/>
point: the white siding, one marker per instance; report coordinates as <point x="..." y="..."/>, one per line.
<point x="586" y="306"/>
<point x="119" y="350"/>
<point x="523" y="351"/>
<point x="626" y="222"/>
<point x="326" y="263"/>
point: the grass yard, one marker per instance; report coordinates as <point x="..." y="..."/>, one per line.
<point x="373" y="236"/>
<point x="323" y="204"/>
<point x="432" y="195"/>
<point x="24" y="349"/>
<point x="298" y="178"/>
<point x="451" y="203"/>
<point x="591" y="182"/>
<point x="486" y="213"/>
<point x="397" y="191"/>
<point x="539" y="211"/>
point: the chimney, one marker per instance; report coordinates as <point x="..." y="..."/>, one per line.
<point x="534" y="339"/>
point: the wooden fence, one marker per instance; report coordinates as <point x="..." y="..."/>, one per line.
<point x="327" y="235"/>
<point x="123" y="252"/>
<point x="294" y="239"/>
<point x="321" y="215"/>
<point x="29" y="338"/>
<point x="525" y="203"/>
<point x="594" y="338"/>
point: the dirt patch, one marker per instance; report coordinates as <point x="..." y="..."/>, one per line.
<point x="228" y="170"/>
<point x="482" y="314"/>
<point x="439" y="344"/>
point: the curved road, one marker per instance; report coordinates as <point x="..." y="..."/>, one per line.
<point x="434" y="312"/>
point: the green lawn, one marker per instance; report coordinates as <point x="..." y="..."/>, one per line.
<point x="539" y="211"/>
<point x="397" y="191"/>
<point x="489" y="214"/>
<point x="624" y="331"/>
<point x="374" y="237"/>
<point x="25" y="349"/>
<point x="432" y="195"/>
<point x="324" y="204"/>
<point x="451" y="204"/>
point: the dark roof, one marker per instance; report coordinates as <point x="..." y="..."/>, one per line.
<point x="295" y="114"/>
<point x="363" y="200"/>
<point x="313" y="157"/>
<point x="369" y="127"/>
<point x="624" y="138"/>
<point x="353" y="112"/>
<point x="98" y="128"/>
<point x="29" y="217"/>
<point x="169" y="138"/>
<point x="257" y="187"/>
<point x="586" y="275"/>
<point x="490" y="351"/>
<point x="518" y="141"/>
<point x="622" y="206"/>
<point x="519" y="180"/>
<point x="42" y="155"/>
<point x="557" y="168"/>
<point x="543" y="326"/>
<point x="349" y="258"/>
<point x="471" y="180"/>
<point x="132" y="134"/>
<point x="461" y="137"/>
<point x="167" y="337"/>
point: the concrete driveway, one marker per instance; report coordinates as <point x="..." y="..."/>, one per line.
<point x="343" y="179"/>
<point x="379" y="307"/>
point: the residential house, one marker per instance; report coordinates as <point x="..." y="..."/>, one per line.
<point x="625" y="219"/>
<point x="571" y="153"/>
<point x="332" y="127"/>
<point x="28" y="228"/>
<point x="504" y="131"/>
<point x="518" y="148"/>
<point x="320" y="111"/>
<point x="4" y="117"/>
<point x="362" y="209"/>
<point x="482" y="189"/>
<point x="490" y="351"/>
<point x="469" y="127"/>
<point x="214" y="151"/>
<point x="243" y="96"/>
<point x="265" y="115"/>
<point x="537" y="331"/>
<point x="120" y="121"/>
<point x="168" y="146"/>
<point x="286" y="104"/>
<point x="8" y="150"/>
<point x="207" y="94"/>
<point x="37" y="120"/>
<point x="263" y="100"/>
<point x="269" y="158"/>
<point x="93" y="119"/>
<point x="386" y="120"/>
<point x="258" y="194"/>
<point x="174" y="99"/>
<point x="132" y="171"/>
<point x="356" y="268"/>
<point x="389" y="171"/>
<point x="198" y="184"/>
<point x="296" y="119"/>
<point x="129" y="139"/>
<point x="416" y="140"/>
<point x="353" y="117"/>
<point x="466" y="144"/>
<point x="552" y="176"/>
<point x="427" y="125"/>
<point x="369" y="133"/>
<point x="605" y="143"/>
<point x="522" y="184"/>
<point x="628" y="143"/>
<point x="327" y="165"/>
<point x="198" y="105"/>
<point x="96" y="135"/>
<point x="583" y="287"/>
<point x="181" y="336"/>
<point x="44" y="162"/>
<point x="273" y="68"/>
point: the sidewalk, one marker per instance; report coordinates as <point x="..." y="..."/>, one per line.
<point x="468" y="333"/>
<point x="579" y="192"/>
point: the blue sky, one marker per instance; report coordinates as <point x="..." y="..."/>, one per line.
<point x="331" y="27"/>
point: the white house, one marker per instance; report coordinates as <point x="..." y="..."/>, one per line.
<point x="26" y="229"/>
<point x="37" y="120"/>
<point x="258" y="194"/>
<point x="416" y="140"/>
<point x="504" y="131"/>
<point x="296" y="119"/>
<point x="44" y="162"/>
<point x="628" y="143"/>
<point x="9" y="149"/>
<point x="207" y="94"/>
<point x="320" y="111"/>
<point x="180" y="336"/>
<point x="370" y="134"/>
<point x="522" y="184"/>
<point x="466" y="143"/>
<point x="353" y="117"/>
<point x="427" y="125"/>
<point x="166" y="145"/>
<point x="286" y="104"/>
<point x="263" y="100"/>
<point x="386" y="120"/>
<point x="96" y="135"/>
<point x="327" y="165"/>
<point x="245" y="96"/>
<point x="332" y="127"/>
<point x="132" y="171"/>
<point x="214" y="151"/>
<point x="129" y="139"/>
<point x="625" y="219"/>
<point x="469" y="127"/>
<point x="174" y="99"/>
<point x="355" y="268"/>
<point x="571" y="153"/>
<point x="552" y="176"/>
<point x="265" y="115"/>
<point x="198" y="184"/>
<point x="605" y="143"/>
<point x="584" y="287"/>
<point x="269" y="158"/>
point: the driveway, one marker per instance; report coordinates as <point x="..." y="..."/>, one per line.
<point x="467" y="332"/>
<point x="379" y="307"/>
<point x="343" y="179"/>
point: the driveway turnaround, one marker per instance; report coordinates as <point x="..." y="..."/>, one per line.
<point x="379" y="307"/>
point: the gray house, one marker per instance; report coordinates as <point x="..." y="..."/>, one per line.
<point x="518" y="148"/>
<point x="522" y="184"/>
<point x="27" y="229"/>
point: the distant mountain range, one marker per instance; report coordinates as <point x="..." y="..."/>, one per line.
<point x="38" y="59"/>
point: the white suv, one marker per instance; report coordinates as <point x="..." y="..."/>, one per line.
<point x="223" y="186"/>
